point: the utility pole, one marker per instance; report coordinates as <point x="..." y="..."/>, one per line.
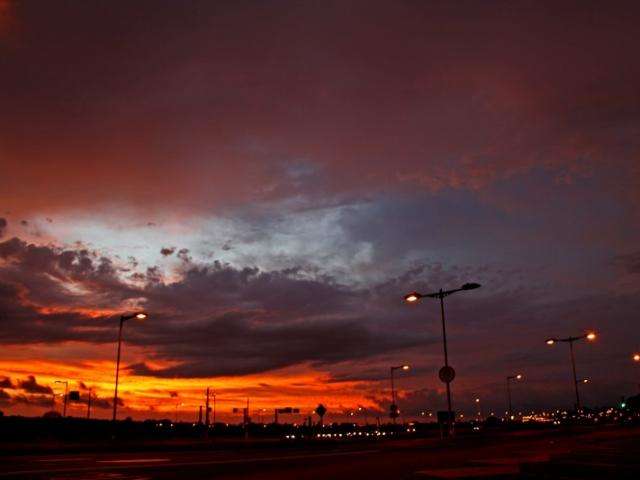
<point x="206" y="410"/>
<point x="89" y="403"/>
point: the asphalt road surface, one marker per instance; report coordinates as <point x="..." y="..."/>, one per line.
<point x="611" y="453"/>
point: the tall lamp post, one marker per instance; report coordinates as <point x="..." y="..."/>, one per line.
<point x="447" y="374"/>
<point x="123" y="318"/>
<point x="590" y="336"/>
<point x="66" y="393"/>
<point x="394" y="406"/>
<point x="509" y="378"/>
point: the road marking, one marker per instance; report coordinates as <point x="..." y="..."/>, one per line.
<point x="71" y="459"/>
<point x="470" y="472"/>
<point x="187" y="464"/>
<point x="134" y="460"/>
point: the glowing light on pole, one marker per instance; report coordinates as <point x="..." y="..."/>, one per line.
<point x="394" y="406"/>
<point x="589" y="336"/>
<point x="447" y="373"/>
<point x="123" y="318"/>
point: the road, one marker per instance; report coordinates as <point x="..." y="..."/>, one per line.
<point x="612" y="453"/>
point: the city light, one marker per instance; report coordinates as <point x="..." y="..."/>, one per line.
<point x="591" y="336"/>
<point x="636" y="357"/>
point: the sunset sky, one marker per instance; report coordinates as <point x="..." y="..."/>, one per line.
<point x="268" y="179"/>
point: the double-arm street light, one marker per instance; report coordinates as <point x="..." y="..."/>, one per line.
<point x="447" y="374"/>
<point x="479" y="413"/>
<point x="394" y="406"/>
<point x="66" y="393"/>
<point x="589" y="336"/>
<point x="509" y="378"/>
<point x="123" y="318"/>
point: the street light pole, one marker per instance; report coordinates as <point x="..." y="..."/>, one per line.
<point x="447" y="373"/>
<point x="393" y="390"/>
<point x="66" y="392"/>
<point x="509" y="378"/>
<point x="123" y="318"/>
<point x="446" y="363"/>
<point x="575" y="377"/>
<point x="394" y="405"/>
<point x="570" y="340"/>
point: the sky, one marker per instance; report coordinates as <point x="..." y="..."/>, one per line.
<point x="268" y="179"/>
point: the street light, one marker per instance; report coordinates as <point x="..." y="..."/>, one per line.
<point x="179" y="404"/>
<point x="479" y="409"/>
<point x="123" y="318"/>
<point x="636" y="357"/>
<point x="394" y="407"/>
<point x="590" y="336"/>
<point x="509" y="378"/>
<point x="66" y="392"/>
<point x="447" y="373"/>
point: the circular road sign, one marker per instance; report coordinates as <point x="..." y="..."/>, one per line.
<point x="447" y="374"/>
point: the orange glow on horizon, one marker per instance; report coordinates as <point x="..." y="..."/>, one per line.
<point x="156" y="397"/>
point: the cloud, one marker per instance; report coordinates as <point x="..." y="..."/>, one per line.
<point x="5" y="382"/>
<point x="33" y="400"/>
<point x="630" y="262"/>
<point x="166" y="251"/>
<point x="3" y="226"/>
<point x="4" y="397"/>
<point x="30" y="385"/>
<point x="493" y="102"/>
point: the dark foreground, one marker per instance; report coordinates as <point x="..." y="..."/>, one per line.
<point x="613" y="453"/>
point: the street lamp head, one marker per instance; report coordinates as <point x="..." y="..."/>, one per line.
<point x="470" y="286"/>
<point x="405" y="367"/>
<point x="136" y="315"/>
<point x="585" y="380"/>
<point x="412" y="297"/>
<point x="550" y="341"/>
<point x="477" y="400"/>
<point x="636" y="357"/>
<point x="519" y="376"/>
<point x="591" y="336"/>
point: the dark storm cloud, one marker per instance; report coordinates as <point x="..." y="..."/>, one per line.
<point x="309" y="97"/>
<point x="630" y="262"/>
<point x="31" y="385"/>
<point x="43" y="270"/>
<point x="166" y="251"/>
<point x="412" y="402"/>
<point x="4" y="397"/>
<point x="216" y="320"/>
<point x="5" y="382"/>
<point x="33" y="400"/>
